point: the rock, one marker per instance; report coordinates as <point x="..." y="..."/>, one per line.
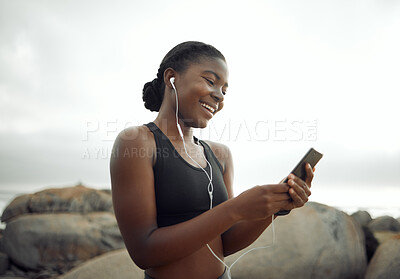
<point x="115" y="264"/>
<point x="362" y="217"/>
<point x="383" y="236"/>
<point x="71" y="199"/>
<point x="384" y="223"/>
<point x="60" y="241"/>
<point x="17" y="272"/>
<point x="371" y="243"/>
<point x="4" y="263"/>
<point x="43" y="274"/>
<point x="315" y="241"/>
<point x="19" y="206"/>
<point x="385" y="263"/>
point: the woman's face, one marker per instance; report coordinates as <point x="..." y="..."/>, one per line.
<point x="201" y="89"/>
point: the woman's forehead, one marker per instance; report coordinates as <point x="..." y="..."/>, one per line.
<point x="216" y="65"/>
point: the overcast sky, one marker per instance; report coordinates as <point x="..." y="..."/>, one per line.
<point x="303" y="74"/>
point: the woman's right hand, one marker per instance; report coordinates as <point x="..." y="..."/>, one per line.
<point x="261" y="202"/>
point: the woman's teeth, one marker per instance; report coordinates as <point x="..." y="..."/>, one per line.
<point x="208" y="107"/>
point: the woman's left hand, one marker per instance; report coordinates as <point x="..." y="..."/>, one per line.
<point x="300" y="190"/>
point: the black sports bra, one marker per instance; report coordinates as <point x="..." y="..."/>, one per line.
<point x="181" y="188"/>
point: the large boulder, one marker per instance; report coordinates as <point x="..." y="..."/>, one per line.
<point x="115" y="264"/>
<point x="362" y="217"/>
<point x="386" y="262"/>
<point x="71" y="199"/>
<point x="384" y="223"/>
<point x="315" y="241"/>
<point x="59" y="241"/>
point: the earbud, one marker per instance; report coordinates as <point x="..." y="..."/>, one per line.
<point x="172" y="80"/>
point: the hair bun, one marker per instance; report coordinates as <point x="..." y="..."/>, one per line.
<point x="152" y="96"/>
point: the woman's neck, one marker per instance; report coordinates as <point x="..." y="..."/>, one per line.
<point x="168" y="126"/>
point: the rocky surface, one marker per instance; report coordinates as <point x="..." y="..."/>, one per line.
<point x="384" y="223"/>
<point x="19" y="206"/>
<point x="73" y="231"/>
<point x="315" y="241"/>
<point x="71" y="199"/>
<point x="115" y="264"/>
<point x="4" y="263"/>
<point x="51" y="231"/>
<point x="383" y="236"/>
<point x="371" y="243"/>
<point x="362" y="217"/>
<point x="386" y="262"/>
<point x="59" y="241"/>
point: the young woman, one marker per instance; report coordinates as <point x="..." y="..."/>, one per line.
<point x="160" y="176"/>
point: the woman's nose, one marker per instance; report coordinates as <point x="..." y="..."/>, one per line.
<point x="217" y="95"/>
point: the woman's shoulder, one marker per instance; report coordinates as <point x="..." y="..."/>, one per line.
<point x="221" y="151"/>
<point x="135" y="135"/>
<point x="134" y="139"/>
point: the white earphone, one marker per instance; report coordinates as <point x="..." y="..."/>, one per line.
<point x="210" y="188"/>
<point x="172" y="80"/>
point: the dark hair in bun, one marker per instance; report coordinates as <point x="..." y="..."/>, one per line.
<point x="178" y="59"/>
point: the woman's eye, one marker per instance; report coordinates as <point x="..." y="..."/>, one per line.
<point x="209" y="81"/>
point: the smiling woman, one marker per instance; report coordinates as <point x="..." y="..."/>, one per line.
<point x="174" y="203"/>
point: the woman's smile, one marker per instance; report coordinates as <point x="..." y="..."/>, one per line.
<point x="209" y="109"/>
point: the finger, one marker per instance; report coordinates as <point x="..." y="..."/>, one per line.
<point x="304" y="187"/>
<point x="302" y="184"/>
<point x="307" y="189"/>
<point x="299" y="181"/>
<point x="299" y="186"/>
<point x="310" y="174"/>
<point x="298" y="201"/>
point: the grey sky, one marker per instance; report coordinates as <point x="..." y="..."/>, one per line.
<point x="72" y="67"/>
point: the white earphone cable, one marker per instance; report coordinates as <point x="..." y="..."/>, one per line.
<point x="210" y="189"/>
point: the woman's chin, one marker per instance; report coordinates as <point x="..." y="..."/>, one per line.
<point x="203" y="123"/>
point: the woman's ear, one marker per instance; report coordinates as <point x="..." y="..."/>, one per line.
<point x="168" y="74"/>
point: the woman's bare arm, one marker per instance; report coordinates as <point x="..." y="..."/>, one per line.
<point x="245" y="232"/>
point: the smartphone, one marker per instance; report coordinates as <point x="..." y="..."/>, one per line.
<point x="312" y="157"/>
